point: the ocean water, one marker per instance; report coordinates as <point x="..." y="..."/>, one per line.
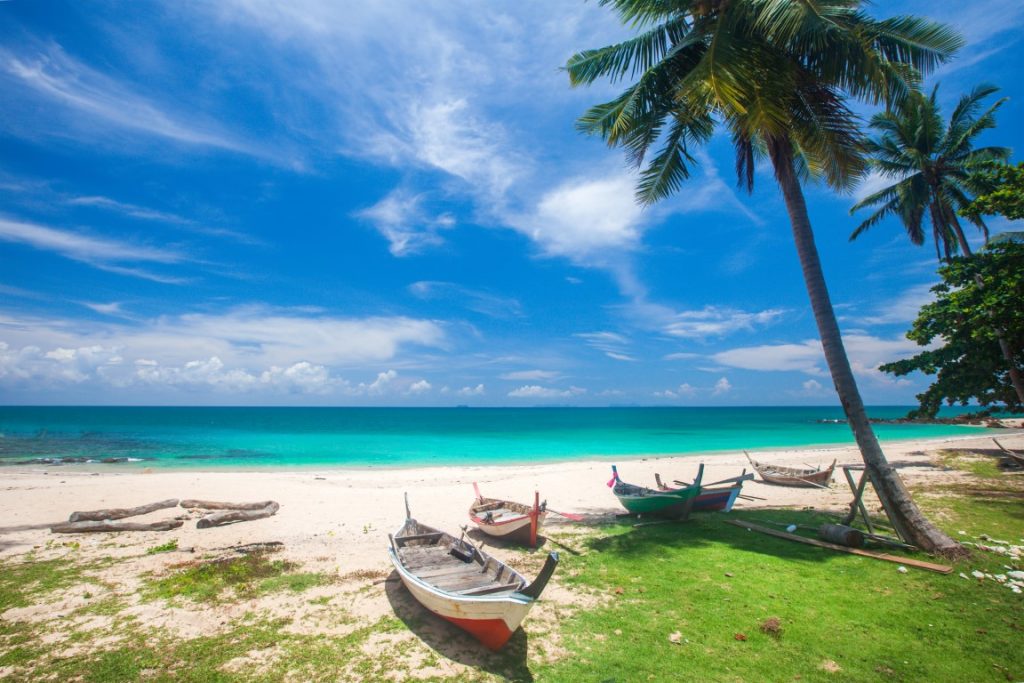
<point x="252" y="438"/>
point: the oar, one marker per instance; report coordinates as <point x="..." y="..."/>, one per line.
<point x="567" y="515"/>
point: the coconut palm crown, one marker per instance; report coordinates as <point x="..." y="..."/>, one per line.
<point x="771" y="71"/>
<point x="932" y="164"/>
<point x="777" y="74"/>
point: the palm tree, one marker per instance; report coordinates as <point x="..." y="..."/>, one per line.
<point x="776" y="75"/>
<point x="932" y="165"/>
<point x="936" y="167"/>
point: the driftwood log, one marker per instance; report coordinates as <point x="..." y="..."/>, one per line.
<point x="229" y="516"/>
<point x="89" y="526"/>
<point x="120" y="513"/>
<point x="215" y="505"/>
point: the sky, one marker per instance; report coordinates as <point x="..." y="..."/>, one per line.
<point x="255" y="202"/>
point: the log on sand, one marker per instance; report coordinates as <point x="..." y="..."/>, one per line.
<point x="84" y="527"/>
<point x="120" y="513"/>
<point x="215" y="505"/>
<point x="229" y="516"/>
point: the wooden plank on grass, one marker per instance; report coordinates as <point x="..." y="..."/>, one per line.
<point x="940" y="568"/>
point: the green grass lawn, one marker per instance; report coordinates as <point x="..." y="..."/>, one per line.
<point x="694" y="601"/>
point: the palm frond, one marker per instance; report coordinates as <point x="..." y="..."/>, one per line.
<point x="667" y="170"/>
<point x="629" y="57"/>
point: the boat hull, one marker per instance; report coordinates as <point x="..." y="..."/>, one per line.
<point x="716" y="500"/>
<point x="517" y="529"/>
<point x="667" y="504"/>
<point x="490" y="619"/>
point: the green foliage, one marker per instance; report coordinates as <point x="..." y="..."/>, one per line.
<point x="932" y="166"/>
<point x="1004" y="193"/>
<point x="768" y="71"/>
<point x="965" y="323"/>
<point x="170" y="546"/>
<point x="245" y="576"/>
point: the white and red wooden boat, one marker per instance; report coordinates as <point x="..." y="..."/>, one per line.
<point x="508" y="520"/>
<point x="460" y="583"/>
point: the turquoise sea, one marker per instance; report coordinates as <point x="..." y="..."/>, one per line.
<point x="250" y="438"/>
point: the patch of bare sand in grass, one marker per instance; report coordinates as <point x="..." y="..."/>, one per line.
<point x="255" y="663"/>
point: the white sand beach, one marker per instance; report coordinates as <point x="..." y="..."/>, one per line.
<point x="320" y="507"/>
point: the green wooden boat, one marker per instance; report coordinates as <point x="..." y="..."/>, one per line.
<point x="675" y="503"/>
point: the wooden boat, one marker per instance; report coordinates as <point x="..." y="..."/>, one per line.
<point x="508" y="520"/>
<point x="460" y="583"/>
<point x="714" y="497"/>
<point x="674" y="503"/>
<point x="793" y="476"/>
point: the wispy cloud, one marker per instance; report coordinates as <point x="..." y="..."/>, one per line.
<point x="86" y="94"/>
<point x="99" y="252"/>
<point x="611" y="344"/>
<point x="485" y="303"/>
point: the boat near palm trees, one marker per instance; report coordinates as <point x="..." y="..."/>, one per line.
<point x="815" y="477"/>
<point x="462" y="584"/>
<point x="640" y="500"/>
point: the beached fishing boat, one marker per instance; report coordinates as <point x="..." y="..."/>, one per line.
<point x="508" y="520"/>
<point x="675" y="503"/>
<point x="718" y="496"/>
<point x="793" y="476"/>
<point x="460" y="583"/>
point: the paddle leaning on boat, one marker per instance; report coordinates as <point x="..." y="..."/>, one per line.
<point x="458" y="582"/>
<point x="640" y="500"/>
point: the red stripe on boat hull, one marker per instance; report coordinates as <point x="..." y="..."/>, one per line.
<point x="493" y="633"/>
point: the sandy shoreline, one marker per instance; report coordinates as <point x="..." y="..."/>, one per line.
<point x="319" y="507"/>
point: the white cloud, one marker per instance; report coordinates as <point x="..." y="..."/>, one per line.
<point x="904" y="308"/>
<point x="865" y="352"/>
<point x="420" y="387"/>
<point x="722" y="386"/>
<point x="243" y="350"/>
<point x="535" y="391"/>
<point x="528" y="375"/>
<point x="478" y="390"/>
<point x="584" y="217"/>
<point x="381" y="384"/>
<point x="813" y="387"/>
<point x="712" y="321"/>
<point x="684" y="390"/>
<point x="400" y="218"/>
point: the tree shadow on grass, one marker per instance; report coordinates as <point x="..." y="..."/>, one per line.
<point x="453" y="643"/>
<point x="704" y="530"/>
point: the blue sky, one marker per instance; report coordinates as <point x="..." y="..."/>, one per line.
<point x="313" y="203"/>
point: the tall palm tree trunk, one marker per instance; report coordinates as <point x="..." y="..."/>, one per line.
<point x="907" y="519"/>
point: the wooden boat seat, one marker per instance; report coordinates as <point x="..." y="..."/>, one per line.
<point x="500" y="513"/>
<point x="485" y="590"/>
<point x="404" y="540"/>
